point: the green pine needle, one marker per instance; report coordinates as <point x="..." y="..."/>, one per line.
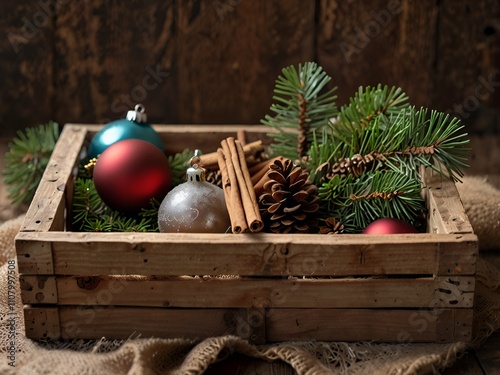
<point x="90" y="214"/>
<point x="300" y="109"/>
<point x="26" y="160"/>
<point x="359" y="201"/>
<point x="178" y="165"/>
<point x="366" y="159"/>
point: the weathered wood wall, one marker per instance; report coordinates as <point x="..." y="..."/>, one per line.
<point x="215" y="61"/>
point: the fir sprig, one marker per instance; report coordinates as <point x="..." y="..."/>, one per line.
<point x="410" y="137"/>
<point x="178" y="164"/>
<point x="26" y="160"/>
<point x="91" y="214"/>
<point x="300" y="109"/>
<point x="356" y="202"/>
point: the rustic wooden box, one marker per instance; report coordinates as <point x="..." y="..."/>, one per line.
<point x="263" y="287"/>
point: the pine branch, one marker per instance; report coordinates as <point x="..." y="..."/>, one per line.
<point x="26" y="160"/>
<point x="178" y="165"/>
<point x="367" y="105"/>
<point x="300" y="110"/>
<point x="359" y="201"/>
<point x="90" y="214"/>
<point x="409" y="138"/>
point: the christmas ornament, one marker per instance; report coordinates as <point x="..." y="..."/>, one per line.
<point x="132" y="127"/>
<point x="389" y="226"/>
<point x="289" y="201"/>
<point x="129" y="173"/>
<point x="195" y="206"/>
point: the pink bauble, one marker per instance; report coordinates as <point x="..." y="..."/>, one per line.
<point x="389" y="226"/>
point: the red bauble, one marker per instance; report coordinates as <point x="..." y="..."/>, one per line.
<point x="389" y="226"/>
<point x="131" y="172"/>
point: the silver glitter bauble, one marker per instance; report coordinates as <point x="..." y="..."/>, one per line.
<point x="195" y="206"/>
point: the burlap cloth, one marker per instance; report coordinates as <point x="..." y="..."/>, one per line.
<point x="179" y="356"/>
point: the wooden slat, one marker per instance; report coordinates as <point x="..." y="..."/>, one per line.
<point x="105" y="67"/>
<point x="256" y="254"/>
<point x="126" y="322"/>
<point x="467" y="59"/>
<point x="42" y="323"/>
<point x="458" y="259"/>
<point x="47" y="209"/>
<point x="446" y="212"/>
<point x="457" y="292"/>
<point x="280" y="324"/>
<point x="207" y="138"/>
<point x="454" y="325"/>
<point x="38" y="289"/>
<point x="27" y="65"/>
<point x="488" y="354"/>
<point x="236" y="80"/>
<point x="352" y="35"/>
<point x="35" y="257"/>
<point x="366" y="324"/>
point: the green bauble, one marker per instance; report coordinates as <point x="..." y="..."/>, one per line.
<point x="132" y="127"/>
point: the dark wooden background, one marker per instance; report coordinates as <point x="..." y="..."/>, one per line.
<point x="215" y="61"/>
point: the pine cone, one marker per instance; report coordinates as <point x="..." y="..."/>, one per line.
<point x="331" y="226"/>
<point x="289" y="201"/>
<point x="355" y="165"/>
<point x="214" y="177"/>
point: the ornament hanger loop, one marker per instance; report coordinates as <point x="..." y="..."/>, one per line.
<point x="196" y="159"/>
<point x="138" y="114"/>
<point x="139" y="108"/>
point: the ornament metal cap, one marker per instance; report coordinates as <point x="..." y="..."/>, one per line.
<point x="195" y="173"/>
<point x="138" y="115"/>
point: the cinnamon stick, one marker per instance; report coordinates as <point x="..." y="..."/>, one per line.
<point x="252" y="212"/>
<point x="241" y="136"/>
<point x="209" y="161"/>
<point x="232" y="194"/>
<point x="232" y="159"/>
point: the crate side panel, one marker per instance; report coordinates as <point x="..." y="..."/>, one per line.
<point x="458" y="258"/>
<point x="128" y="322"/>
<point x="454" y="325"/>
<point x="46" y="211"/>
<point x="34" y="257"/>
<point x="42" y="322"/>
<point x="413" y="325"/>
<point x="256" y="254"/>
<point x="454" y="292"/>
<point x="445" y="208"/>
<point x="265" y="293"/>
<point x="38" y="289"/>
<point x="180" y="137"/>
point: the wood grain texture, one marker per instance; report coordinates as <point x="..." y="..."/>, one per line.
<point x="229" y="57"/>
<point x="384" y="41"/>
<point x="119" y="54"/>
<point x="489" y="354"/>
<point x="77" y="322"/>
<point x="47" y="210"/>
<point x="446" y="212"/>
<point x="259" y="254"/>
<point x="216" y="61"/>
<point x="26" y="65"/>
<point x="467" y="76"/>
<point x="157" y="291"/>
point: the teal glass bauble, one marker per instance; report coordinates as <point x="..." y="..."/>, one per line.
<point x="135" y="126"/>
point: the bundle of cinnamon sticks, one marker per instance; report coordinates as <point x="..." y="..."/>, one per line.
<point x="239" y="192"/>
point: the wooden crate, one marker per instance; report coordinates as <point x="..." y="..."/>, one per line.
<point x="263" y="287"/>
